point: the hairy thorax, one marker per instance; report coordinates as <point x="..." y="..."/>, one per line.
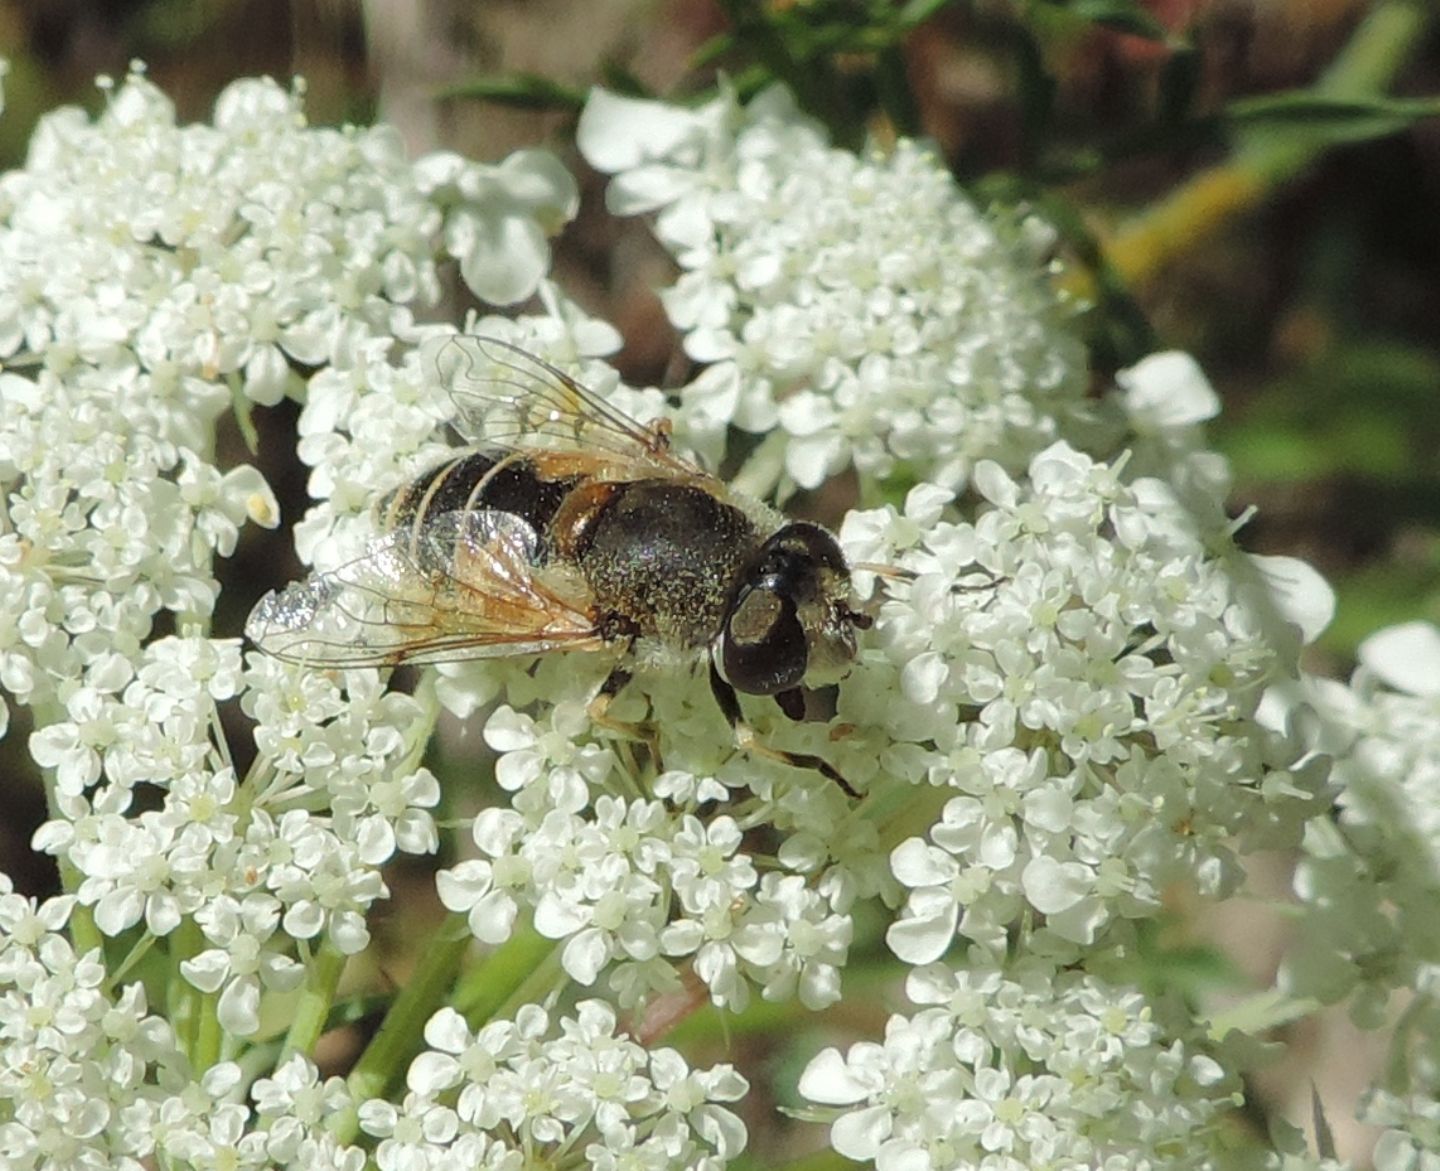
<point x="667" y="556"/>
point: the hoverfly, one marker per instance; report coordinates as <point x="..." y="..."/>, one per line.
<point x="568" y="526"/>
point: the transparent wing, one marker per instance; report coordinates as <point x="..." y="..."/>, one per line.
<point x="467" y="587"/>
<point x="506" y="397"/>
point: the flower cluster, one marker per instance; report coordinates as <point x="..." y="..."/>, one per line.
<point x="1368" y="881"/>
<point x="1005" y="1069"/>
<point x="638" y="885"/>
<point x="861" y="304"/>
<point x="1411" y="1122"/>
<point x="77" y="1067"/>
<point x="1074" y="675"/>
<point x="1087" y="676"/>
<point x="254" y="871"/>
<point x="1066" y="704"/>
<point x="89" y="1079"/>
<point x="481" y="1099"/>
<point x="151" y="274"/>
<point x="104" y="522"/>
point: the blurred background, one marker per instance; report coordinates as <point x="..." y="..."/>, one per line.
<point x="1255" y="181"/>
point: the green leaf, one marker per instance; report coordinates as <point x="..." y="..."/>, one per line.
<point x="620" y="80"/>
<point x="526" y="91"/>
<point x="1265" y="1010"/>
<point x="917" y="12"/>
<point x="712" y="50"/>
<point x="1124" y="16"/>
<point x="1323" y="118"/>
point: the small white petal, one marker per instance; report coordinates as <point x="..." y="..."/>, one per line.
<point x="555" y="918"/>
<point x="993" y="483"/>
<point x="119" y="910"/>
<point x="915" y="863"/>
<point x="1406" y="657"/>
<point x="1167" y="390"/>
<point x="1300" y="593"/>
<point x="239" y="1007"/>
<point x="923" y="676"/>
<point x="584" y="956"/>
<point x="432" y="1073"/>
<point x="492" y="918"/>
<point x="617" y="133"/>
<point x="858" y="1135"/>
<point x="829" y="1081"/>
<point x="923" y="939"/>
<point x="502" y="261"/>
<point x="1053" y="886"/>
<point x="206" y="971"/>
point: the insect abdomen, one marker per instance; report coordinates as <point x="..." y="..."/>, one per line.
<point x="515" y="488"/>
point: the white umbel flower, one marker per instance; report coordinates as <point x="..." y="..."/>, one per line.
<point x="1023" y="1068"/>
<point x="862" y="304"/>
<point x="1092" y="694"/>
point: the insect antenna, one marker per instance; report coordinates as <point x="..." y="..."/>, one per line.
<point x="896" y="573"/>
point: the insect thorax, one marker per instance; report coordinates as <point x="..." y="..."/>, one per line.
<point x="667" y="555"/>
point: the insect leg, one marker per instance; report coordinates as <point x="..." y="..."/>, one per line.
<point x="895" y="573"/>
<point x="598" y="711"/>
<point x="748" y="741"/>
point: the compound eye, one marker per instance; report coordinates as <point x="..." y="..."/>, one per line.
<point x="763" y="649"/>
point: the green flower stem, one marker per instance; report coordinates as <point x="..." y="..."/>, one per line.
<point x="1262" y="160"/>
<point x="761" y="472"/>
<point x="1269" y="1009"/>
<point x="191" y="1012"/>
<point x="899" y="812"/>
<point x="83" y="932"/>
<point x="142" y="948"/>
<point x="524" y="970"/>
<point x="400" y="1033"/>
<point x="317" y="994"/>
<point x="205" y="1050"/>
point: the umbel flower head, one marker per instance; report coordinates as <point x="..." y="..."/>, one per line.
<point x="1369" y="881"/>
<point x="1003" y="1069"/>
<point x="860" y="304"/>
<point x="150" y="275"/>
<point x="1055" y="717"/>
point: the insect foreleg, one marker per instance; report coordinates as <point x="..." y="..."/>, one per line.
<point x="747" y="740"/>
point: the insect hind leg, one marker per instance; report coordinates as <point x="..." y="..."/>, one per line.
<point x="748" y="740"/>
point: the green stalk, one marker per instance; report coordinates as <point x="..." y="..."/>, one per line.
<point x="1262" y="160"/>
<point x="400" y="1033"/>
<point x="523" y="970"/>
<point x="317" y="995"/>
<point x="209" y="1036"/>
<point x="186" y="1007"/>
<point x="761" y="471"/>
